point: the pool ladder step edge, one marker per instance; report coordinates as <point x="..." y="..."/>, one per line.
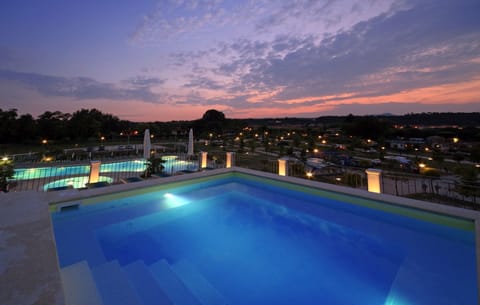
<point x="114" y="286"/>
<point x="199" y="286"/>
<point x="79" y="286"/>
<point x="148" y="288"/>
<point x="169" y="281"/>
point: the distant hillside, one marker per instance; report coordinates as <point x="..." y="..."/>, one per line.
<point x="415" y="119"/>
<point x="437" y="119"/>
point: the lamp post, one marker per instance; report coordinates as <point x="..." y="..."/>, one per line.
<point x="44" y="145"/>
<point x="102" y="146"/>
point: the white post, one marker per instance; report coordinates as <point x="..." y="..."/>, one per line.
<point x="374" y="178"/>
<point x="283" y="167"/>
<point x="230" y="161"/>
<point x="94" y="171"/>
<point x="203" y="163"/>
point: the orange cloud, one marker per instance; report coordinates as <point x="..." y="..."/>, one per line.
<point x="458" y="93"/>
<point x="258" y="97"/>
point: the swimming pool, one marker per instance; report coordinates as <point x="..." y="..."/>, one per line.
<point x="172" y="164"/>
<point x="74" y="182"/>
<point x="240" y="239"/>
<point x="53" y="171"/>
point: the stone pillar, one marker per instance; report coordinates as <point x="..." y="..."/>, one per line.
<point x="94" y="171"/>
<point x="230" y="160"/>
<point x="374" y="178"/>
<point x="283" y="167"/>
<point x="203" y="159"/>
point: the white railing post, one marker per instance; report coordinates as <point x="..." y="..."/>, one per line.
<point x="374" y="180"/>
<point x="230" y="160"/>
<point x="283" y="167"/>
<point x="94" y="171"/>
<point x="203" y="159"/>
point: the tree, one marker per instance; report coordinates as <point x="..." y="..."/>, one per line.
<point x="86" y="124"/>
<point x="154" y="166"/>
<point x="366" y="127"/>
<point x="475" y="153"/>
<point x="290" y="151"/>
<point x="281" y="150"/>
<point x="213" y="115"/>
<point x="469" y="183"/>
<point x="253" y="146"/>
<point x="458" y="157"/>
<point x="53" y="125"/>
<point x="266" y="145"/>
<point x="296" y="140"/>
<point x="6" y="173"/>
<point x="212" y="121"/>
<point x="241" y="145"/>
<point x="26" y="127"/>
<point x="8" y="126"/>
<point x="438" y="156"/>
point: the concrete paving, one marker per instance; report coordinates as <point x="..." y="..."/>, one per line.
<point x="29" y="271"/>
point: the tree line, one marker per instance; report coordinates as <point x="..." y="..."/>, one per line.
<point x="56" y="125"/>
<point x="88" y="124"/>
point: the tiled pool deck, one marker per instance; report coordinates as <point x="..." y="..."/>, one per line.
<point x="29" y="271"/>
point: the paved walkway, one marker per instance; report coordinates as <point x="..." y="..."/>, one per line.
<point x="29" y="272"/>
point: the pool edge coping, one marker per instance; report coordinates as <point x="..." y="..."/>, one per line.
<point x="390" y="199"/>
<point x="73" y="194"/>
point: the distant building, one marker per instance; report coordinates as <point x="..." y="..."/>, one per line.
<point x="438" y="143"/>
<point x="398" y="144"/>
<point x="405" y="144"/>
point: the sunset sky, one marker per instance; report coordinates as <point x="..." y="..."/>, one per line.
<point x="147" y="60"/>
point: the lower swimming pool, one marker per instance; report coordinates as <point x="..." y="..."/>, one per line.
<point x="74" y="182"/>
<point x="240" y="239"/>
<point x="171" y="163"/>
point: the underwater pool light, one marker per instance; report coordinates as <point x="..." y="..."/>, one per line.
<point x="174" y="201"/>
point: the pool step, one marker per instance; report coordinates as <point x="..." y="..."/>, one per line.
<point x="200" y="287"/>
<point x="114" y="286"/>
<point x="79" y="286"/>
<point x="172" y="284"/>
<point x="121" y="230"/>
<point x="138" y="284"/>
<point x="146" y="285"/>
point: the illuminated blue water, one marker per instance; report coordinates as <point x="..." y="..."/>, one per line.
<point x="171" y="165"/>
<point x="44" y="172"/>
<point x="74" y="182"/>
<point x="259" y="244"/>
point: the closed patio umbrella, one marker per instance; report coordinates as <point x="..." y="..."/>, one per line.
<point x="190" y="143"/>
<point x="147" y="146"/>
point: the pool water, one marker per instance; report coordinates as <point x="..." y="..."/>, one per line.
<point x="74" y="182"/>
<point x="172" y="165"/>
<point x="45" y="172"/>
<point x="258" y="243"/>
